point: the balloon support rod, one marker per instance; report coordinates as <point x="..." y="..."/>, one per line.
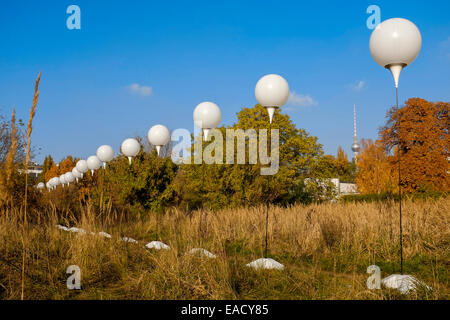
<point x="396" y="69"/>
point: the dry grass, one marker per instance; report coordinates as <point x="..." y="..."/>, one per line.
<point x="326" y="250"/>
<point x="27" y="146"/>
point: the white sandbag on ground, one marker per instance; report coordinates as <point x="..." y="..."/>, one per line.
<point x="126" y="239"/>
<point x="104" y="234"/>
<point x="77" y="230"/>
<point x="403" y="283"/>
<point x="202" y="252"/>
<point x="265" y="263"/>
<point x="158" y="245"/>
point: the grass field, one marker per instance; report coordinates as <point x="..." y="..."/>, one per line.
<point x="326" y="249"/>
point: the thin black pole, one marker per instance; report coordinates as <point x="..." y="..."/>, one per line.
<point x="268" y="190"/>
<point x="399" y="183"/>
<point x="267" y="225"/>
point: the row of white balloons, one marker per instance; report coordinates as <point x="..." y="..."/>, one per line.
<point x="394" y="44"/>
<point x="271" y="91"/>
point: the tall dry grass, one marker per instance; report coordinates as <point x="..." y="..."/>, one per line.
<point x="325" y="248"/>
<point x="27" y="146"/>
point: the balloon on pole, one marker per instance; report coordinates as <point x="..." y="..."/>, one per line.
<point x="395" y="44"/>
<point x="207" y="116"/>
<point x="40" y="186"/>
<point x="93" y="164"/>
<point x="105" y="154"/>
<point x="159" y="136"/>
<point x="130" y="148"/>
<point x="272" y="92"/>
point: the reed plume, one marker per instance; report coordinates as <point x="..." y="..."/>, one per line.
<point x="27" y="161"/>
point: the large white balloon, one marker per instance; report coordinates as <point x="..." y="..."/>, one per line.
<point x="130" y="148"/>
<point x="394" y="44"/>
<point x="159" y="136"/>
<point x="82" y="166"/>
<point x="105" y="153"/>
<point x="272" y="91"/>
<point x="40" y="186"/>
<point x="207" y="116"/>
<point x="69" y="177"/>
<point x="93" y="163"/>
<point x="48" y="185"/>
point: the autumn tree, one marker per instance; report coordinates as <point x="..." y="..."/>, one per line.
<point x="376" y="174"/>
<point x="46" y="166"/>
<point x="420" y="132"/>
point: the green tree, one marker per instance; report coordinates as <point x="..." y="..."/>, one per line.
<point x="225" y="185"/>
<point x="145" y="184"/>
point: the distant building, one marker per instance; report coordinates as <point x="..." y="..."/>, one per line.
<point x="343" y="188"/>
<point x="34" y="170"/>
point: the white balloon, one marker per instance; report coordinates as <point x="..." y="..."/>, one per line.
<point x="93" y="163"/>
<point x="272" y="90"/>
<point x="105" y="153"/>
<point x="394" y="44"/>
<point x="76" y="173"/>
<point x="55" y="181"/>
<point x="48" y="185"/>
<point x="40" y="185"/>
<point x="130" y="148"/>
<point x="395" y="41"/>
<point x="69" y="177"/>
<point x="82" y="166"/>
<point x="159" y="135"/>
<point x="62" y="179"/>
<point x="207" y="115"/>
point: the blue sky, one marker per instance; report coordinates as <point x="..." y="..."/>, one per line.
<point x="180" y="53"/>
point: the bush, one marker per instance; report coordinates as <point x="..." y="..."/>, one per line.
<point x="381" y="197"/>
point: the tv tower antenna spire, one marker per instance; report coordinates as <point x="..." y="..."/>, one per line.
<point x="355" y="145"/>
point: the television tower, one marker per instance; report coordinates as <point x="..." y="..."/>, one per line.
<point x="355" y="145"/>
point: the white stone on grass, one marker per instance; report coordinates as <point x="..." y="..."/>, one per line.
<point x="265" y="263"/>
<point x="158" y="245"/>
<point x="60" y="227"/>
<point x="104" y="234"/>
<point x="202" y="252"/>
<point x="403" y="283"/>
<point x="126" y="239"/>
<point x="77" y="230"/>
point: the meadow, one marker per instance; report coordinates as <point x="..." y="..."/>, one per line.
<point x="325" y="248"/>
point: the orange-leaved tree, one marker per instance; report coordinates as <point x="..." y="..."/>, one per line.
<point x="376" y="174"/>
<point x="423" y="141"/>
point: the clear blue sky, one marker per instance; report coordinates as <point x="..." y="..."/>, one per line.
<point x="193" y="51"/>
